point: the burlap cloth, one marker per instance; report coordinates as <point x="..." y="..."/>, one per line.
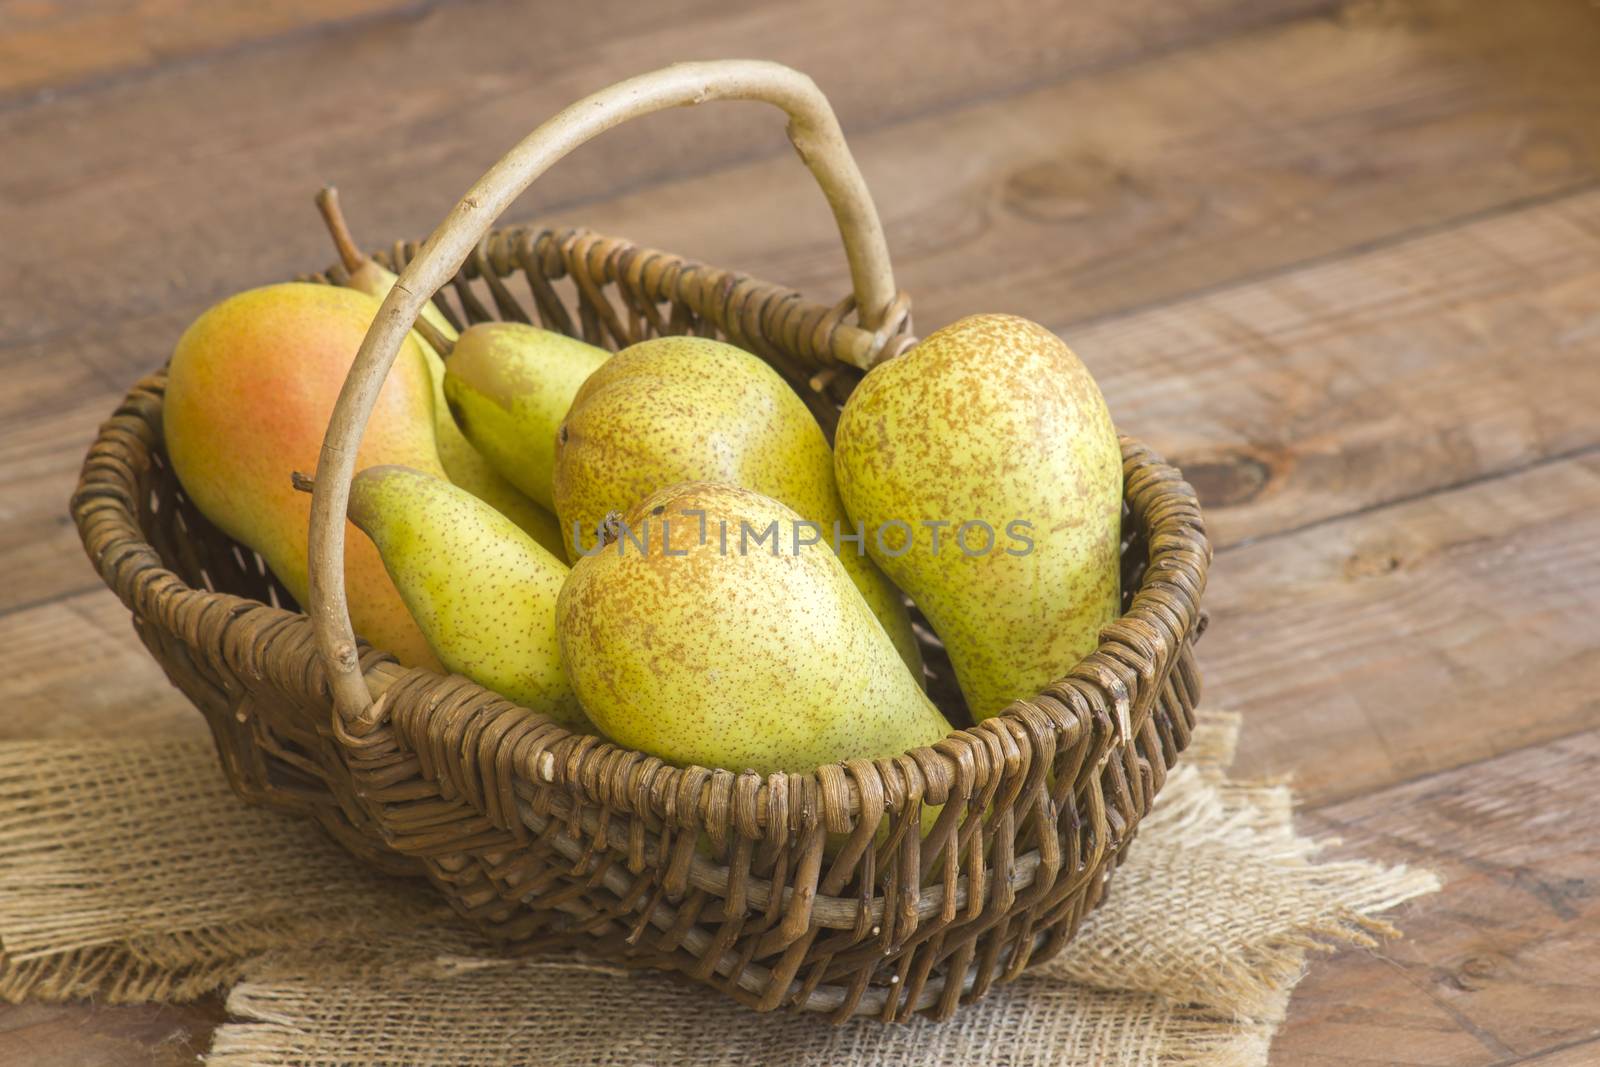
<point x="130" y="872"/>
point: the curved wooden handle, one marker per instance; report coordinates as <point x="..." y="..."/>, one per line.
<point x="816" y="136"/>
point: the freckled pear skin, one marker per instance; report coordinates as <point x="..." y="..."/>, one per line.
<point x="756" y="661"/>
<point x="482" y="590"/>
<point x="678" y="409"/>
<point x="463" y="464"/>
<point x="250" y="389"/>
<point x="509" y="385"/>
<point x="994" y="419"/>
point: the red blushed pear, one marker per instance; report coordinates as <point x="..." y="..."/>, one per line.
<point x="250" y="389"/>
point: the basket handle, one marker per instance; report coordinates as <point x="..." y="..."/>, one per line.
<point x="813" y="130"/>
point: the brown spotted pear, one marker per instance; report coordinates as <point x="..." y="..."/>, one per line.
<point x="702" y="635"/>
<point x="985" y="466"/>
<point x="678" y="409"/>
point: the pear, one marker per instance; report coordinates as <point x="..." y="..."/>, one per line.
<point x="985" y="467"/>
<point x="676" y="409"/>
<point x="464" y="465"/>
<point x="250" y="389"/>
<point x="691" y="639"/>
<point x="509" y="385"/>
<point x="482" y="590"/>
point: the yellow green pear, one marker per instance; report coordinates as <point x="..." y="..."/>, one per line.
<point x="703" y="644"/>
<point x="677" y="409"/>
<point x="986" y="459"/>
<point x="509" y="385"/>
<point x="250" y="389"/>
<point x="482" y="590"/>
<point x="463" y="464"/>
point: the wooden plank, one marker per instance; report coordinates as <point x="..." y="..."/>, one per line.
<point x="81" y="1034"/>
<point x="1193" y="171"/>
<point x="1078" y="200"/>
<point x="1333" y="388"/>
<point x="173" y="202"/>
<point x="1351" y="384"/>
<point x="54" y="406"/>
<point x="1581" y="1053"/>
<point x="75" y="668"/>
<point x="1503" y="966"/>
<point x="1414" y="638"/>
<point x="47" y="45"/>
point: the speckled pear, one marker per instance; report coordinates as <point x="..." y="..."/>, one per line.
<point x="714" y="649"/>
<point x="482" y="590"/>
<point x="250" y="389"/>
<point x="463" y="464"/>
<point x="677" y="409"/>
<point x="991" y="420"/>
<point x="509" y="385"/>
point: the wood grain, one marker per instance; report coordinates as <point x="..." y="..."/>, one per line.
<point x="1375" y="377"/>
<point x="49" y="45"/>
<point x="1340" y="386"/>
<point x="93" y="1035"/>
<point x="1505" y="962"/>
<point x="181" y="203"/>
<point x="1580" y="1053"/>
<point x="1300" y="396"/>
<point x="1204" y="168"/>
<point x="52" y="407"/>
<point x="1415" y="638"/>
<point x="108" y="685"/>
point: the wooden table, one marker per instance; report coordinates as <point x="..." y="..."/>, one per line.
<point x="1341" y="261"/>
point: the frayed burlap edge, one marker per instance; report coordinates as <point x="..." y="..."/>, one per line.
<point x="1218" y="835"/>
<point x="174" y="968"/>
<point x="567" y="1013"/>
<point x="132" y="873"/>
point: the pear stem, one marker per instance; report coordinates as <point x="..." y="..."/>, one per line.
<point x="608" y="530"/>
<point x="349" y="253"/>
<point x="303" y="482"/>
<point x="432" y="334"/>
<point x="354" y="259"/>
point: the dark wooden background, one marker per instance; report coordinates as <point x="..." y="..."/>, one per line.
<point x="1340" y="260"/>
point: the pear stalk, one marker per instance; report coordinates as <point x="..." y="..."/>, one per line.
<point x="435" y="337"/>
<point x="343" y="241"/>
<point x="462" y="462"/>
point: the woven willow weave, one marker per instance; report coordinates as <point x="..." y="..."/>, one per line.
<point x="779" y="890"/>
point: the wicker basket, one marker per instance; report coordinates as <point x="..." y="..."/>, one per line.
<point x="545" y="838"/>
